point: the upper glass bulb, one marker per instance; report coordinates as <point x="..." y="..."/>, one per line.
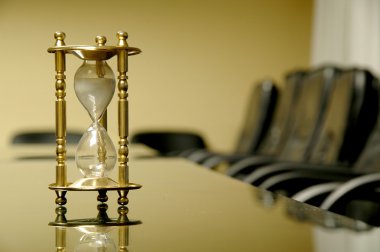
<point x="94" y="85"/>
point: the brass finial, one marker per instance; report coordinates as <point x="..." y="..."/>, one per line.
<point x="59" y="36"/>
<point x="122" y="38"/>
<point x="100" y="40"/>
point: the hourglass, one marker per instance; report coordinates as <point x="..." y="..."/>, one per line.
<point x="94" y="85"/>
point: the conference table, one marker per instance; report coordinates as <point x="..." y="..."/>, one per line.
<point x="180" y="207"/>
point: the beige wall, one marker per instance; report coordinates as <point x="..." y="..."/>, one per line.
<point x="199" y="59"/>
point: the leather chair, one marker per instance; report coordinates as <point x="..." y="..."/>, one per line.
<point x="259" y="118"/>
<point x="43" y="137"/>
<point x="305" y="129"/>
<point x="169" y="143"/>
<point x="277" y="131"/>
<point x="349" y="127"/>
<point x="191" y="145"/>
<point x="30" y="138"/>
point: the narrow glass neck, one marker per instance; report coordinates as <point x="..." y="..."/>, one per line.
<point x="100" y="66"/>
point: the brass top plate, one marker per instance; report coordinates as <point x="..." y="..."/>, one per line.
<point x="85" y="52"/>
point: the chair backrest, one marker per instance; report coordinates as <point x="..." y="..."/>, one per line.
<point x="283" y="115"/>
<point x="258" y="117"/>
<point x="168" y="142"/>
<point x="350" y="119"/>
<point x="43" y="137"/>
<point x="369" y="160"/>
<point x="309" y="114"/>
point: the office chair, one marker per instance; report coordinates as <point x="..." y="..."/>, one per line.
<point x="277" y="131"/>
<point x="191" y="146"/>
<point x="318" y="181"/>
<point x="169" y="143"/>
<point x="259" y="117"/>
<point x="283" y="118"/>
<point x="31" y="138"/>
<point x="350" y="120"/>
<point x="43" y="137"/>
<point x="309" y="114"/>
<point x="362" y="176"/>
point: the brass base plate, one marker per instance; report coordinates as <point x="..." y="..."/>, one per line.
<point x="114" y="187"/>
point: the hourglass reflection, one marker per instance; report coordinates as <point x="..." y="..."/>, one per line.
<point x="95" y="232"/>
<point x="94" y="85"/>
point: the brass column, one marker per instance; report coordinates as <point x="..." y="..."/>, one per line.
<point x="60" y="116"/>
<point x="123" y="238"/>
<point x="60" y="239"/>
<point x="122" y="67"/>
<point x="101" y="41"/>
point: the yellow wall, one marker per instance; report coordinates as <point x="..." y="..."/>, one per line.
<point x="199" y="59"/>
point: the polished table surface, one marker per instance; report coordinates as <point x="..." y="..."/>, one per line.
<point x="181" y="207"/>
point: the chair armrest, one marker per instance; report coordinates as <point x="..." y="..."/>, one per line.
<point x="216" y="159"/>
<point x="362" y="187"/>
<point x="247" y="165"/>
<point x="316" y="194"/>
<point x="263" y="173"/>
<point x="289" y="183"/>
<point x="198" y="156"/>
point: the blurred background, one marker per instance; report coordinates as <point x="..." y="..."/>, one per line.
<point x="200" y="59"/>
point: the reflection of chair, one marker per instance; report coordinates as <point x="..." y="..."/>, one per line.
<point x="43" y="137"/>
<point x="169" y="143"/>
<point x="309" y="114"/>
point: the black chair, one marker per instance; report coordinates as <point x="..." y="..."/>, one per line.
<point x="350" y="124"/>
<point x="276" y="132"/>
<point x="190" y="145"/>
<point x="309" y="115"/>
<point x="43" y="137"/>
<point x="258" y="119"/>
<point x="351" y="117"/>
<point x="359" y="183"/>
<point x="48" y="137"/>
<point x="169" y="143"/>
<point x="283" y="117"/>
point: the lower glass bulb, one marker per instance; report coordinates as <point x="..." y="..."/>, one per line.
<point x="96" y="155"/>
<point x="96" y="242"/>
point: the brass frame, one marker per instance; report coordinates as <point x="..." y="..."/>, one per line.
<point x="98" y="52"/>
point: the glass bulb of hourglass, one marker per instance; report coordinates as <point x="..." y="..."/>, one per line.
<point x="96" y="154"/>
<point x="94" y="85"/>
<point x="96" y="242"/>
